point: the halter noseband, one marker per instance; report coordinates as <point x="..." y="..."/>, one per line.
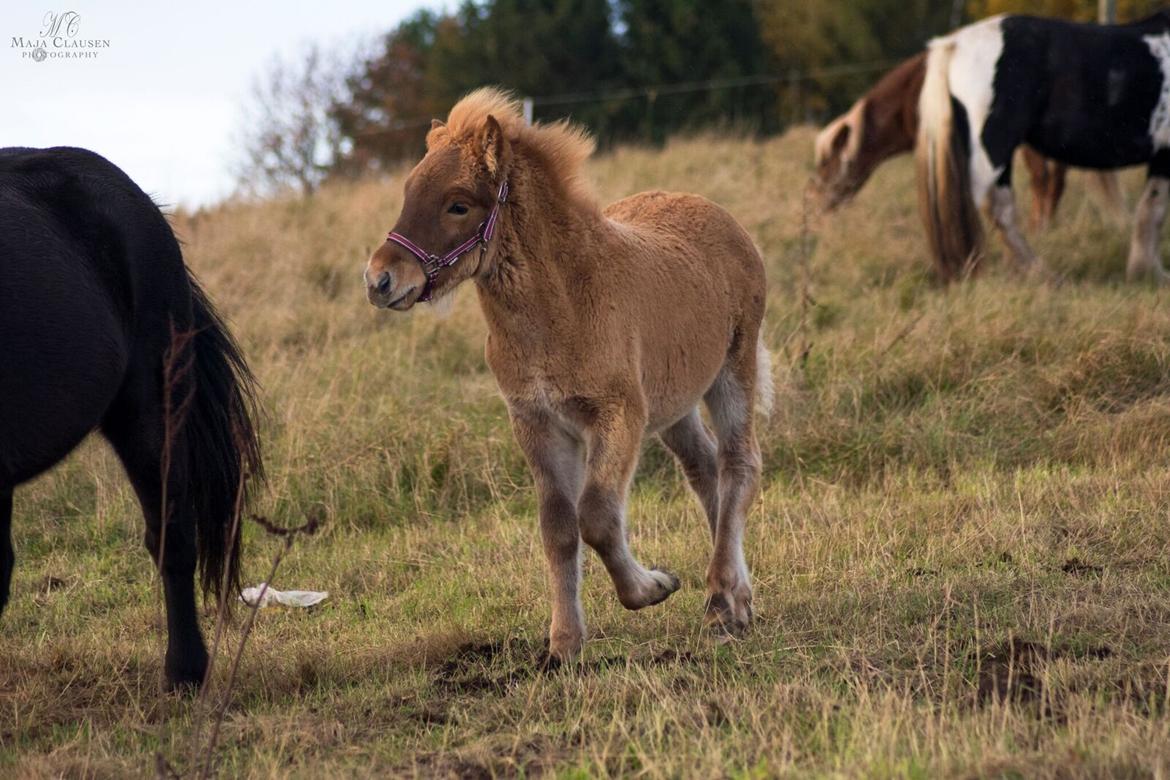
<point x="432" y="264"/>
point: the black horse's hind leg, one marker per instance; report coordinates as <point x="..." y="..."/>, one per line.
<point x="7" y="556"/>
<point x="137" y="437"/>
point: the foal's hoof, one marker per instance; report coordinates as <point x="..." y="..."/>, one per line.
<point x="547" y="662"/>
<point x="656" y="588"/>
<point x="564" y="647"/>
<point x="667" y="581"/>
<point x="729" y="617"/>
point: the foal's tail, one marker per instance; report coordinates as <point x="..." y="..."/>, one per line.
<point x="943" y="157"/>
<point x="221" y="449"/>
<point x="765" y="385"/>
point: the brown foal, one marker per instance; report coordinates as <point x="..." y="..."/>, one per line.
<point x="604" y="326"/>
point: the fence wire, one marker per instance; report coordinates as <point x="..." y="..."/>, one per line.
<point x="620" y="94"/>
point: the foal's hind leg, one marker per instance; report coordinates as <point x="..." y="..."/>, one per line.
<point x="730" y="401"/>
<point x="613" y="442"/>
<point x="1144" y="260"/>
<point x="693" y="446"/>
<point x="137" y="437"/>
<point x="7" y="557"/>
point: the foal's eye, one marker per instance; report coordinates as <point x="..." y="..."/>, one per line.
<point x="459" y="209"/>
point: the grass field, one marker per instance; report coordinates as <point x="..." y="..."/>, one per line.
<point x="960" y="553"/>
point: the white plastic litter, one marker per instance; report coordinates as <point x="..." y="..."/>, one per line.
<point x="287" y="598"/>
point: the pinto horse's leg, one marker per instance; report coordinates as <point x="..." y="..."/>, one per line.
<point x="1047" y="190"/>
<point x="1144" y="260"/>
<point x="991" y="189"/>
<point x="1056" y="185"/>
<point x="558" y="465"/>
<point x="613" y="442"/>
<point x="694" y="447"/>
<point x="137" y="437"/>
<point x="730" y="401"/>
<point x="1041" y="180"/>
<point x="1002" y="207"/>
<point x="7" y="556"/>
<point x="1108" y="187"/>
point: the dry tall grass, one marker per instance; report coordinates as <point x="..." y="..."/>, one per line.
<point x="960" y="554"/>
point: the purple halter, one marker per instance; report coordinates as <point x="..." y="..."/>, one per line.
<point x="432" y="264"/>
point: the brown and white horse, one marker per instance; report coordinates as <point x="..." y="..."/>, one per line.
<point x="1093" y="96"/>
<point x="883" y="123"/>
<point x="604" y="326"/>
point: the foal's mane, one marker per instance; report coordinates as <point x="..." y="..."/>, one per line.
<point x="562" y="147"/>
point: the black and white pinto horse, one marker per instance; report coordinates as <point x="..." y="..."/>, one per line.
<point x="1086" y="95"/>
<point x="98" y="318"/>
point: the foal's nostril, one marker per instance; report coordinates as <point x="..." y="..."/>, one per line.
<point x="383" y="285"/>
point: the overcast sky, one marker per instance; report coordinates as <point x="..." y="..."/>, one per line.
<point x="163" y="101"/>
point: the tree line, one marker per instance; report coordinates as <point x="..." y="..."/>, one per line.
<point x="628" y="69"/>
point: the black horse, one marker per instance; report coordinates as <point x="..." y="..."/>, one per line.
<point x="102" y="327"/>
<point x="1086" y="95"/>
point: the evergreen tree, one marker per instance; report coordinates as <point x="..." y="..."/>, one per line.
<point x="669" y="42"/>
<point x="841" y="48"/>
<point x="533" y="47"/>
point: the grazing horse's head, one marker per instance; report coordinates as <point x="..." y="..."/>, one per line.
<point x="451" y="203"/>
<point x="841" y="169"/>
<point x="881" y="124"/>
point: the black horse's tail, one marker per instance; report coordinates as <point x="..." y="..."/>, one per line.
<point x="221" y="452"/>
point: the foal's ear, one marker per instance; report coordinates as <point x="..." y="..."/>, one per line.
<point x="437" y="129"/>
<point x="493" y="145"/>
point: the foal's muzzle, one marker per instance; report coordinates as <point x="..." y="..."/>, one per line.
<point x="386" y="292"/>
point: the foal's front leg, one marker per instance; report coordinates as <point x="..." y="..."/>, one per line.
<point x="614" y="439"/>
<point x="558" y="464"/>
